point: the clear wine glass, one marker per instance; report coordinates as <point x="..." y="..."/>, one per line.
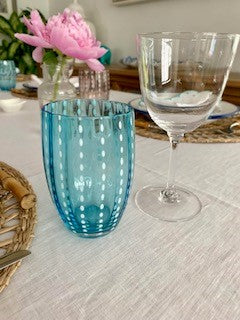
<point x="182" y="77"/>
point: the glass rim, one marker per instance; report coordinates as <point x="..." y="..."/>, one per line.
<point x="6" y="60"/>
<point x="130" y="109"/>
<point x="187" y="34"/>
<point x="93" y="71"/>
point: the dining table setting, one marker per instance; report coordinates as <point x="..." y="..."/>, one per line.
<point x="145" y="269"/>
<point x="116" y="205"/>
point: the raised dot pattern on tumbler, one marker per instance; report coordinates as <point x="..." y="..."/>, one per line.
<point x="88" y="152"/>
<point x="7" y="75"/>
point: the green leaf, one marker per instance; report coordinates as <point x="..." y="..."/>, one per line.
<point x="28" y="48"/>
<point x="3" y="55"/>
<point x="27" y="13"/>
<point x="28" y="60"/>
<point x="21" y="28"/>
<point x="5" y="43"/>
<point x="4" y="23"/>
<point x="5" y="27"/>
<point x="13" y="49"/>
<point x="14" y="21"/>
<point x="22" y="66"/>
<point x="50" y="58"/>
<point x="32" y="70"/>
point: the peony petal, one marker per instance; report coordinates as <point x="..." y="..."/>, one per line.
<point x="85" y="53"/>
<point x="60" y="39"/>
<point x="38" y="54"/>
<point x="33" y="40"/>
<point x="28" y="24"/>
<point x="35" y="24"/>
<point x="37" y="20"/>
<point x="95" y="65"/>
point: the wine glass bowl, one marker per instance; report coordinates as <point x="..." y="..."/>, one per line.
<point x="182" y="77"/>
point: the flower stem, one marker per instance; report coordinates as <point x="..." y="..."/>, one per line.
<point x="59" y="73"/>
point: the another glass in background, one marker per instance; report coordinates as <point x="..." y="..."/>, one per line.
<point x="88" y="152"/>
<point x="7" y="75"/>
<point x="182" y="76"/>
<point x="94" y="84"/>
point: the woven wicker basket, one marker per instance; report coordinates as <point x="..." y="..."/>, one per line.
<point x="17" y="217"/>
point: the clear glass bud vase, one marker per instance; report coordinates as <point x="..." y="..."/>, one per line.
<point x="56" y="84"/>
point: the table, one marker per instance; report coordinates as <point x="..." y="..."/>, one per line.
<point x="145" y="269"/>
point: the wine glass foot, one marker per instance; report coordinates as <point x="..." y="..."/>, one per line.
<point x="150" y="200"/>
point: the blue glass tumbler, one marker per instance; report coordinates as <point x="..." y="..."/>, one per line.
<point x="7" y="75"/>
<point x="88" y="153"/>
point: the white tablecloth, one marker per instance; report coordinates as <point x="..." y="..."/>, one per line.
<point x="145" y="269"/>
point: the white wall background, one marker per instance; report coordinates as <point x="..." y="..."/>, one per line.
<point x="117" y="26"/>
<point x="42" y="5"/>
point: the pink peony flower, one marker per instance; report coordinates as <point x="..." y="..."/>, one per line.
<point x="67" y="33"/>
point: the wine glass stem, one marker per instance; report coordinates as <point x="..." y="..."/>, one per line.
<point x="170" y="194"/>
